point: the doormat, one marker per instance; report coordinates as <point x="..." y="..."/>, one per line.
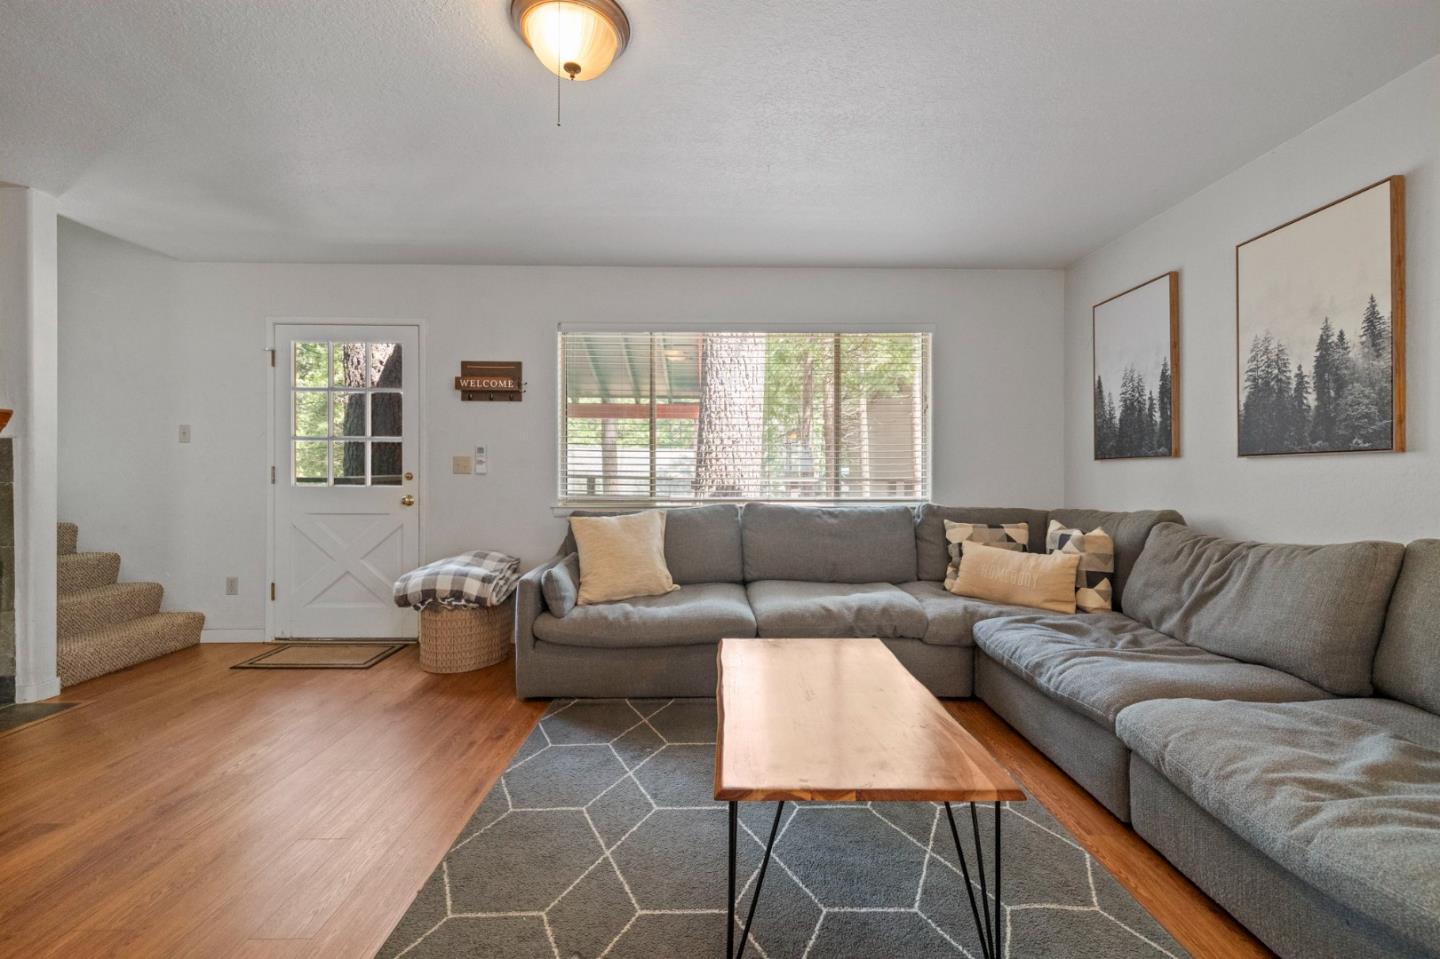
<point x="23" y="714"/>
<point x="322" y="655"/>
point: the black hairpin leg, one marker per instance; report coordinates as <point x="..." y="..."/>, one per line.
<point x="730" y="951"/>
<point x="730" y="899"/>
<point x="991" y="933"/>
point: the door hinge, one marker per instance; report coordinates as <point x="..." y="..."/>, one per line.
<point x="272" y="356"/>
<point x="272" y="592"/>
<point x="272" y="476"/>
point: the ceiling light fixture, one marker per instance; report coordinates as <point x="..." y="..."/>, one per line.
<point x="578" y="39"/>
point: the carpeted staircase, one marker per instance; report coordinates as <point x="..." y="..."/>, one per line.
<point x="104" y="625"/>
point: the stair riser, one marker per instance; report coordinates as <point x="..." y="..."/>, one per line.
<point x="87" y="571"/>
<point x="90" y="610"/>
<point x="109" y="650"/>
<point x="67" y="536"/>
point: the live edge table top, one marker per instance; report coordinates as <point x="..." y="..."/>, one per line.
<point x="841" y="720"/>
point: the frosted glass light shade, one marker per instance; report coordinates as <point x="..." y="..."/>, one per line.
<point x="578" y="38"/>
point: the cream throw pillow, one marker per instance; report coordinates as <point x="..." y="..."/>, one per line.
<point x="1020" y="579"/>
<point x="623" y="556"/>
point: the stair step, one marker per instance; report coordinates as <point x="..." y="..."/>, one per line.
<point x="67" y="535"/>
<point x="102" y="651"/>
<point x="88" y="610"/>
<point x="77" y="571"/>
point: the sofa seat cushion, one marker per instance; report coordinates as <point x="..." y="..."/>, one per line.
<point x="1339" y="800"/>
<point x="1400" y="719"/>
<point x="795" y="608"/>
<point x="951" y="619"/>
<point x="700" y="613"/>
<point x="1099" y="663"/>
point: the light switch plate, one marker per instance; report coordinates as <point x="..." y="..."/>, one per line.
<point x="232" y="585"/>
<point x="482" y="461"/>
<point x="460" y="465"/>
<point x="184" y="432"/>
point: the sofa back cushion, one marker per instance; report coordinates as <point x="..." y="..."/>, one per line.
<point x="1129" y="530"/>
<point x="1407" y="662"/>
<point x="1313" y="611"/>
<point x="932" y="553"/>
<point x="702" y="543"/>
<point x="854" y="544"/>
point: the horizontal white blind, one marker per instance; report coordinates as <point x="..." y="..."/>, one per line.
<point x="693" y="417"/>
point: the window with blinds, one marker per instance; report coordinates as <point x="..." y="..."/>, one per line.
<point x="701" y="417"/>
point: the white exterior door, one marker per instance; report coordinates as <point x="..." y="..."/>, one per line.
<point x="346" y="512"/>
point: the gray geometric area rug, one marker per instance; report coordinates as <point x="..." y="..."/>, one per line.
<point x="601" y="840"/>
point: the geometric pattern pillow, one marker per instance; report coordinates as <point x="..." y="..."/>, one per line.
<point x="1011" y="536"/>
<point x="1096" y="550"/>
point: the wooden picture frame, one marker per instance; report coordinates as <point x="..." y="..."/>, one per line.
<point x="1135" y="341"/>
<point x="1298" y="294"/>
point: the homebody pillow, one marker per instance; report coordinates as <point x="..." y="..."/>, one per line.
<point x="1042" y="581"/>
<point x="621" y="556"/>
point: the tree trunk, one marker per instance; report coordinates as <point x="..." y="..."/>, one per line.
<point x="350" y="371"/>
<point x="731" y="430"/>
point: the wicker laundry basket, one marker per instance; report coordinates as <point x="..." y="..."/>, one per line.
<point x="457" y="639"/>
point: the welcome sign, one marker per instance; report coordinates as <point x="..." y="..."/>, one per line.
<point x="487" y="380"/>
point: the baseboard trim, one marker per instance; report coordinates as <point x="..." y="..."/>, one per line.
<point x="34" y="692"/>
<point x="251" y="635"/>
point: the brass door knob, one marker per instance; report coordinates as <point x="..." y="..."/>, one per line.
<point x="407" y="500"/>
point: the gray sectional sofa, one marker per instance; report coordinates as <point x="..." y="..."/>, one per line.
<point x="776" y="570"/>
<point x="1266" y="716"/>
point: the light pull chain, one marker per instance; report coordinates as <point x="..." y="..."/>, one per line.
<point x="558" y="46"/>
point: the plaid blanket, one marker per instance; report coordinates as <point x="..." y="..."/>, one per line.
<point x="473" y="579"/>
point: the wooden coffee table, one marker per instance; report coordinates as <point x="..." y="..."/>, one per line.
<point x="841" y="720"/>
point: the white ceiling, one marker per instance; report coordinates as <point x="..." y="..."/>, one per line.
<point x="732" y="132"/>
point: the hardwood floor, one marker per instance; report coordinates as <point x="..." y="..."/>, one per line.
<point x="190" y="810"/>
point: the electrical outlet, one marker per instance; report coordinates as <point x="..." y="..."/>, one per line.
<point x="460" y="465"/>
<point x="482" y="461"/>
<point x="184" y="432"/>
<point x="232" y="585"/>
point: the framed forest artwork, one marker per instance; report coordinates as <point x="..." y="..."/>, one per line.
<point x="1136" y="354"/>
<point x="1320" y="329"/>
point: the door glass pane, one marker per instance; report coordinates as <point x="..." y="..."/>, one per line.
<point x="385" y="365"/>
<point x="385" y="465"/>
<point x="310" y="465"/>
<point x="385" y="414"/>
<point x="310" y="414"/>
<point x="349" y="414"/>
<point x="349" y="464"/>
<point x="349" y="360"/>
<point x="310" y="368"/>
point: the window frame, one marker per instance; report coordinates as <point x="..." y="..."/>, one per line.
<point x="566" y="503"/>
<point x="332" y="438"/>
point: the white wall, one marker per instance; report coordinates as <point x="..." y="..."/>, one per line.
<point x="28" y="321"/>
<point x="1314" y="498"/>
<point x="183" y="343"/>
